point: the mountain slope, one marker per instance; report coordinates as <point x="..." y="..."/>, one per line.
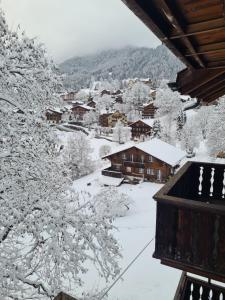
<point x="129" y="62"/>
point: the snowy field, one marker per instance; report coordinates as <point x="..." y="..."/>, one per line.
<point x="146" y="278"/>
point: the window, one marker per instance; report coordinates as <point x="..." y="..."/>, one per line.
<point x="128" y="169"/>
<point x="142" y="158"/>
<point x="150" y="158"/>
<point x="150" y="171"/>
<point x="159" y="177"/>
<point x="116" y="167"/>
<point x="124" y="156"/>
<point x="141" y="171"/>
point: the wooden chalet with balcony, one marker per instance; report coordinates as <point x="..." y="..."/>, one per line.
<point x="69" y="97"/>
<point x="80" y="110"/>
<point x="110" y="119"/>
<point x="141" y="129"/>
<point x="190" y="225"/>
<point x="54" y="116"/>
<point x="152" y="160"/>
<point x="148" y="111"/>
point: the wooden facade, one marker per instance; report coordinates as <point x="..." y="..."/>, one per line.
<point x="149" y="111"/>
<point x="69" y="97"/>
<point x="133" y="162"/>
<point x="54" y="116"/>
<point x="191" y="211"/>
<point x="80" y="110"/>
<point x="63" y="296"/>
<point x="110" y="119"/>
<point x="140" y="129"/>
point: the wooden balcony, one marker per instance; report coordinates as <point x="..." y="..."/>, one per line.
<point x="112" y="173"/>
<point x="135" y="164"/>
<point x="190" y="226"/>
<point x="195" y="289"/>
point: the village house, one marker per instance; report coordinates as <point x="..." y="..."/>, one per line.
<point x="153" y="160"/>
<point x="141" y="128"/>
<point x="54" y="116"/>
<point x="110" y="119"/>
<point x="69" y="97"/>
<point x="148" y="111"/>
<point x="91" y="103"/>
<point x="78" y="111"/>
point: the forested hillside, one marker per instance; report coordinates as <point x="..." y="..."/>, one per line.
<point x="129" y="62"/>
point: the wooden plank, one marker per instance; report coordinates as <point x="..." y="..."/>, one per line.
<point x="63" y="296"/>
<point x="210" y="30"/>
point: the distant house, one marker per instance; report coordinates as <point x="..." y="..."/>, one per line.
<point x="148" y="111"/>
<point x="105" y="92"/>
<point x="141" y="128"/>
<point x="69" y="97"/>
<point x="80" y="110"/>
<point x="91" y="103"/>
<point x="110" y="119"/>
<point x="54" y="116"/>
<point x="152" y="160"/>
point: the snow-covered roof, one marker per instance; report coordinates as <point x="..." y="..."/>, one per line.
<point x="85" y="106"/>
<point x="163" y="151"/>
<point x="158" y="149"/>
<point x="148" y="122"/>
<point x="56" y="109"/>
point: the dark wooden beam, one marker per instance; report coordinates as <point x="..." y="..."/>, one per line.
<point x="211" y="30"/>
<point x="147" y="17"/>
<point x="212" y="85"/>
<point x="206" y="52"/>
<point x="188" y="81"/>
<point x="214" y="96"/>
<point x="171" y="16"/>
<point x="211" y="46"/>
<point x="216" y="64"/>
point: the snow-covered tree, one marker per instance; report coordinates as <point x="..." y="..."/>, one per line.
<point x="90" y="118"/>
<point x="104" y="150"/>
<point x="203" y="119"/>
<point x="216" y="129"/>
<point x="121" y="134"/>
<point x="77" y="156"/>
<point x="156" y="129"/>
<point x="137" y="94"/>
<point x="109" y="202"/>
<point x="103" y="103"/>
<point x="190" y="137"/>
<point x="133" y="115"/>
<point x="46" y="233"/>
<point x="181" y="120"/>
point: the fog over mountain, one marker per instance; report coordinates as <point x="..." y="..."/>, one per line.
<point x="129" y="62"/>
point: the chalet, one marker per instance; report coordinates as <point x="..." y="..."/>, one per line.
<point x="54" y="116"/>
<point x="105" y="92"/>
<point x="91" y="103"/>
<point x="148" y="111"/>
<point x="80" y="110"/>
<point x="141" y="128"/>
<point x="152" y="160"/>
<point x="69" y="97"/>
<point x="110" y="119"/>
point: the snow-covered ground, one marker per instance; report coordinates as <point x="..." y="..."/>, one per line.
<point x="146" y="278"/>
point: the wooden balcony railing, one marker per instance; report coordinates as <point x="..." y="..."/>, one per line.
<point x="190" y="226"/>
<point x="195" y="289"/>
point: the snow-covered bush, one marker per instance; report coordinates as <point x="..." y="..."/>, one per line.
<point x="109" y="202"/>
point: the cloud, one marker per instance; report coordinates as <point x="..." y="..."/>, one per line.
<point x="74" y="27"/>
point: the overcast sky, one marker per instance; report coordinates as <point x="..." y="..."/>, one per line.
<point x="75" y="27"/>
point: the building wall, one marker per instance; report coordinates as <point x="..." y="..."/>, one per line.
<point x="115" y="117"/>
<point x="134" y="162"/>
<point x="149" y="111"/>
<point x="54" y="117"/>
<point x="139" y="129"/>
<point x="79" y="112"/>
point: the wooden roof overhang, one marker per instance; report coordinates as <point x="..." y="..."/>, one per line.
<point x="194" y="30"/>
